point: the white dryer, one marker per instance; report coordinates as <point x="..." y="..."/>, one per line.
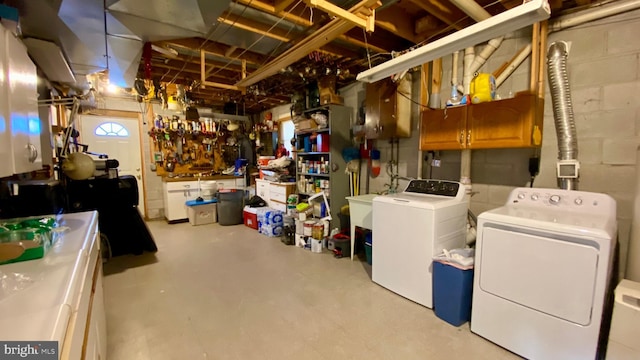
<point x="542" y="269"/>
<point x="411" y="227"/>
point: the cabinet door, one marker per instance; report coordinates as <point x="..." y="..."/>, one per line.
<point x="175" y="208"/>
<point x="23" y="107"/>
<point x="6" y="167"/>
<point x="508" y="123"/>
<point x="443" y="129"/>
<point x="380" y="103"/>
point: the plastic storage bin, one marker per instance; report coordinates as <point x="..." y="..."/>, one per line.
<point x="452" y="290"/>
<point x="368" y="238"/>
<point x="201" y="212"/>
<point x="230" y="207"/>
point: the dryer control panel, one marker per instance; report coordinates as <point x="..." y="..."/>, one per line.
<point x="565" y="199"/>
<point x="434" y="187"/>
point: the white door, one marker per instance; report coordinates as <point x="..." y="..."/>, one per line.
<point x="120" y="139"/>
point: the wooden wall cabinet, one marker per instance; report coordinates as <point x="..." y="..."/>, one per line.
<point x="388" y="109"/>
<point x="509" y="123"/>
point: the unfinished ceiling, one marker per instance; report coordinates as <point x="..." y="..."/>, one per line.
<point x="257" y="53"/>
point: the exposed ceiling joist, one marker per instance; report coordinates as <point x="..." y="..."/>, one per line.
<point x="365" y="18"/>
<point x="319" y="38"/>
<point x="218" y="49"/>
<point x="447" y="14"/>
<point x="203" y="76"/>
<point x="280" y="5"/>
<point x="388" y="19"/>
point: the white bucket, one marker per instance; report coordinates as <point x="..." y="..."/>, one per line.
<point x="316" y="245"/>
<point x="208" y="189"/>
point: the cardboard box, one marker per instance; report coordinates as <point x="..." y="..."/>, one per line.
<point x="331" y="99"/>
<point x="306" y="124"/>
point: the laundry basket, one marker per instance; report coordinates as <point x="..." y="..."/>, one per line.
<point x="230" y="207"/>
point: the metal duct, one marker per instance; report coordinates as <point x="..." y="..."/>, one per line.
<point x="562" y="108"/>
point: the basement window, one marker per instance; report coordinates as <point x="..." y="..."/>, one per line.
<point x="111" y="129"/>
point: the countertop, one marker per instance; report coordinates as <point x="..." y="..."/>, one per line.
<point x="37" y="296"/>
<point x="367" y="198"/>
<point x="202" y="178"/>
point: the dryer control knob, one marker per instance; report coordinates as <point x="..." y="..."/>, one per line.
<point x="578" y="201"/>
<point x="521" y="196"/>
<point x="534" y="197"/>
<point x="554" y="199"/>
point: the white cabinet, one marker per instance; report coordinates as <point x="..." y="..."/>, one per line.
<point x="176" y="194"/>
<point x="6" y="167"/>
<point x="20" y="106"/>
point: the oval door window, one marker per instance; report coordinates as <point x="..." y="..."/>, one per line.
<point x="111" y="129"/>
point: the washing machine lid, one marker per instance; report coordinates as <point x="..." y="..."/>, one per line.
<point x="430" y="202"/>
<point x="560" y="221"/>
<point x="427" y="194"/>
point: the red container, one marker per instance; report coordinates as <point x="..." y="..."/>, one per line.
<point x="250" y="216"/>
<point x="322" y="142"/>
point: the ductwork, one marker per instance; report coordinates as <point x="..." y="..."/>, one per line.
<point x="97" y="35"/>
<point x="563" y="114"/>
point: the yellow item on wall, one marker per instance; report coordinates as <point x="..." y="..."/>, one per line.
<point x="482" y="88"/>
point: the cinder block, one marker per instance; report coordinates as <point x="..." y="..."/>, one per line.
<point x="606" y="124"/>
<point x="623" y="38"/>
<point x="499" y="194"/>
<point x="589" y="150"/>
<point x="480" y="193"/>
<point x="620" y="96"/>
<point x="610" y="70"/>
<point x="625" y="202"/>
<point x="586" y="100"/>
<point x="153" y="214"/>
<point x="605" y="178"/>
<point x="155" y="204"/>
<point x="582" y="46"/>
<point x="620" y="151"/>
<point x="478" y="208"/>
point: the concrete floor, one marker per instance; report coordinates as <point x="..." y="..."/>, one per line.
<point x="227" y="292"/>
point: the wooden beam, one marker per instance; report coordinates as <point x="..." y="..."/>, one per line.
<point x="319" y="38"/>
<point x="254" y="26"/>
<point x="203" y="76"/>
<point x="397" y="21"/>
<point x="447" y="14"/>
<point x="218" y="49"/>
<point x="280" y="5"/>
<point x="367" y="22"/>
<point x="426" y="23"/>
<point x="303" y="21"/>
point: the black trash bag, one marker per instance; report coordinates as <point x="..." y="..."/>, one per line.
<point x="256" y="201"/>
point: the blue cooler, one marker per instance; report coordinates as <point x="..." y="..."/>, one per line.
<point x="452" y="293"/>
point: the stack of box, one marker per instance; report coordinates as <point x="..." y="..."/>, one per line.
<point x="270" y="222"/>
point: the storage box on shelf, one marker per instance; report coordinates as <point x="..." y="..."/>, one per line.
<point x="319" y="162"/>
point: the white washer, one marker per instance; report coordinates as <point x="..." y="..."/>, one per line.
<point x="542" y="268"/>
<point x="411" y="227"/>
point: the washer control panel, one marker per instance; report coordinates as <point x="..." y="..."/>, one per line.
<point x="434" y="187"/>
<point x="562" y="199"/>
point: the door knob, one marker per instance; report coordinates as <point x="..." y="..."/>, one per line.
<point x="138" y="169"/>
<point x="138" y="177"/>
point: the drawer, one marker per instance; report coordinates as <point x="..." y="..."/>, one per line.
<point x="280" y="192"/>
<point x="182" y="185"/>
<point x="278" y="206"/>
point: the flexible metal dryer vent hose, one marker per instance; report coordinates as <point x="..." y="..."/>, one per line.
<point x="562" y="108"/>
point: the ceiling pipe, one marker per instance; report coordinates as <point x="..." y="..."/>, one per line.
<point x="594" y="13"/>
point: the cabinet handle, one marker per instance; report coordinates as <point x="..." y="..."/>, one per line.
<point x="461" y="141"/>
<point x="469" y="138"/>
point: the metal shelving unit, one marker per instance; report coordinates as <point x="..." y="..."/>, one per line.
<point x="339" y="122"/>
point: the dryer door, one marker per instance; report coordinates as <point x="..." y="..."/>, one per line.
<point x="553" y="276"/>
